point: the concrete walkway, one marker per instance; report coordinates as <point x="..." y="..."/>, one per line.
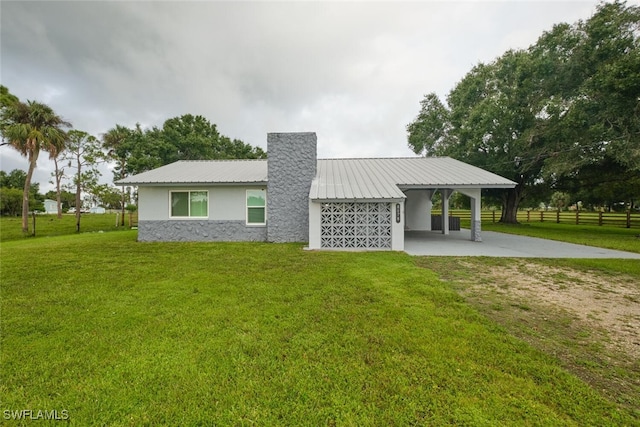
<point x="457" y="243"/>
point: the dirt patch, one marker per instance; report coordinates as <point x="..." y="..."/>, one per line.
<point x="600" y="302"/>
<point x="588" y="320"/>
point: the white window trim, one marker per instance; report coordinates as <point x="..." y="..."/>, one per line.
<point x="189" y="217"/>
<point x="246" y="208"/>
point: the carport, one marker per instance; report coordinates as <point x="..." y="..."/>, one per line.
<point x="419" y="207"/>
<point x="369" y="204"/>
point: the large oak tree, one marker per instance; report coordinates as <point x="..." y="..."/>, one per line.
<point x="568" y="104"/>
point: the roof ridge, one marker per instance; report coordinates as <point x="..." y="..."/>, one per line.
<point x="332" y="158"/>
<point x="218" y="160"/>
<point x="385" y="158"/>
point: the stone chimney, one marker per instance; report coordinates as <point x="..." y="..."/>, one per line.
<point x="292" y="161"/>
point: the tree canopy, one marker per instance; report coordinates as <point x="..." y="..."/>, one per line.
<point x="547" y="115"/>
<point x="11" y="192"/>
<point x="186" y="137"/>
<point x="30" y="128"/>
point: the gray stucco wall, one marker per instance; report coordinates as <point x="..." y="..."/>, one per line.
<point x="199" y="230"/>
<point x="292" y="167"/>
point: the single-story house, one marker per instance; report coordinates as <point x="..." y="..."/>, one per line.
<point x="97" y="210"/>
<point x="294" y="197"/>
<point x="50" y="206"/>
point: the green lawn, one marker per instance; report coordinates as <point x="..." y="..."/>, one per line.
<point x="51" y="225"/>
<point x="118" y="332"/>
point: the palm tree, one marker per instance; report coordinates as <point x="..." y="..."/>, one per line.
<point x="114" y="140"/>
<point x="29" y="128"/>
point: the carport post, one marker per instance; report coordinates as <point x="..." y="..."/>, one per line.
<point x="476" y="219"/>
<point x="445" y="210"/>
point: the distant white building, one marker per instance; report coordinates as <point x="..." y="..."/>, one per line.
<point x="97" y="210"/>
<point x="50" y="206"/>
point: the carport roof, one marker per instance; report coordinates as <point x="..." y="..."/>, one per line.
<point x="385" y="178"/>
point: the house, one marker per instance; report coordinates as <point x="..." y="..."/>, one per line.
<point x="295" y="197"/>
<point x="50" y="206"/>
<point x="97" y="210"/>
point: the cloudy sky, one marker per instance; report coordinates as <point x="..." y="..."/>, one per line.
<point x="353" y="72"/>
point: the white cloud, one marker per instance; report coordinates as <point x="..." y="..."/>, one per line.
<point x="353" y="72"/>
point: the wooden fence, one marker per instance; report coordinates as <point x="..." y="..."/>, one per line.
<point x="619" y="219"/>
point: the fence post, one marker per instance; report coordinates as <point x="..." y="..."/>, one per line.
<point x="600" y="218"/>
<point x="629" y="218"/>
<point x="494" y="216"/>
<point x="558" y="217"/>
<point x="577" y="217"/>
<point x="528" y="216"/>
<point x="541" y="216"/>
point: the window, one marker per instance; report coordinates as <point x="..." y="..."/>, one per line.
<point x="189" y="204"/>
<point x="256" y="207"/>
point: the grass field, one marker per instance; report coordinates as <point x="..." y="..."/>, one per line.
<point x="51" y="225"/>
<point x="585" y="313"/>
<point x="117" y="332"/>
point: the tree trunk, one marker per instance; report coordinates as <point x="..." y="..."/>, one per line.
<point x="123" y="164"/>
<point x="78" y="197"/>
<point x="510" y="200"/>
<point x="58" y="195"/>
<point x="123" y="208"/>
<point x="33" y="157"/>
<point x="78" y="205"/>
<point x="59" y="203"/>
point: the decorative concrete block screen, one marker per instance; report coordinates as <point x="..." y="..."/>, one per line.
<point x="355" y="225"/>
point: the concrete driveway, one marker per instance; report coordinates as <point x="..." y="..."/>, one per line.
<point x="457" y="243"/>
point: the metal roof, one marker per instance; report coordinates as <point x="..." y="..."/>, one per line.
<point x="385" y="178"/>
<point x="336" y="179"/>
<point x="203" y="172"/>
